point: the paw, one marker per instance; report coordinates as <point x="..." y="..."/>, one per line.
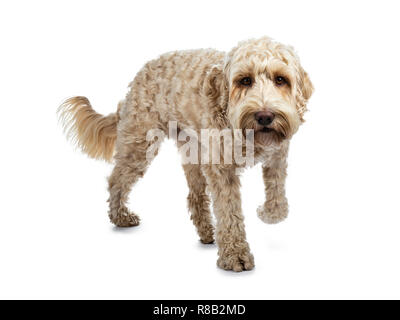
<point x="207" y="240"/>
<point x="236" y="261"/>
<point x="272" y="212"/>
<point x="207" y="235"/>
<point x="124" y="218"/>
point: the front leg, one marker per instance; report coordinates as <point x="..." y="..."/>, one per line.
<point x="275" y="208"/>
<point x="233" y="249"/>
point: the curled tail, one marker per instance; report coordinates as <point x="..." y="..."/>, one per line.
<point x="92" y="132"/>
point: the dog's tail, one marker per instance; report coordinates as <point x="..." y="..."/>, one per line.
<point x="92" y="132"/>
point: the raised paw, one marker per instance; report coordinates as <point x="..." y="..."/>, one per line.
<point x="272" y="212"/>
<point x="124" y="218"/>
<point x="236" y="261"/>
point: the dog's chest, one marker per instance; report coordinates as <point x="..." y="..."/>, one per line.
<point x="270" y="154"/>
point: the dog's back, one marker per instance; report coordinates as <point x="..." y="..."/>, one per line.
<point x="172" y="86"/>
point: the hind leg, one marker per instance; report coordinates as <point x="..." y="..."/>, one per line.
<point x="199" y="203"/>
<point x="132" y="159"/>
<point x="120" y="182"/>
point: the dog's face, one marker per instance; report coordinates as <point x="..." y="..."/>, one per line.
<point x="267" y="90"/>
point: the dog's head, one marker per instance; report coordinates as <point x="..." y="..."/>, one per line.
<point x="262" y="86"/>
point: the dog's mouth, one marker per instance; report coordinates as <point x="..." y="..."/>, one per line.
<point x="266" y="130"/>
<point x="267" y="135"/>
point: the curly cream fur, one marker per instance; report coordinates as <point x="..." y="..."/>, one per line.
<point x="201" y="89"/>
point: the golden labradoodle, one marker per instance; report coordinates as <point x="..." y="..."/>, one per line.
<point x="259" y="85"/>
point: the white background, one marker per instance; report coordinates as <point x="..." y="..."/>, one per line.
<point x="342" y="237"/>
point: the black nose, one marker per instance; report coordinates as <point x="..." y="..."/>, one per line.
<point x="264" y="118"/>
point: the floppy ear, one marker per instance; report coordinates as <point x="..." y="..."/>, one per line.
<point x="215" y="88"/>
<point x="304" y="92"/>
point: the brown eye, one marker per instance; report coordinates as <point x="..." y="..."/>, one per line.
<point x="246" y="81"/>
<point x="280" y="81"/>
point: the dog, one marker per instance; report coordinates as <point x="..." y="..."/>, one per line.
<point x="258" y="87"/>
